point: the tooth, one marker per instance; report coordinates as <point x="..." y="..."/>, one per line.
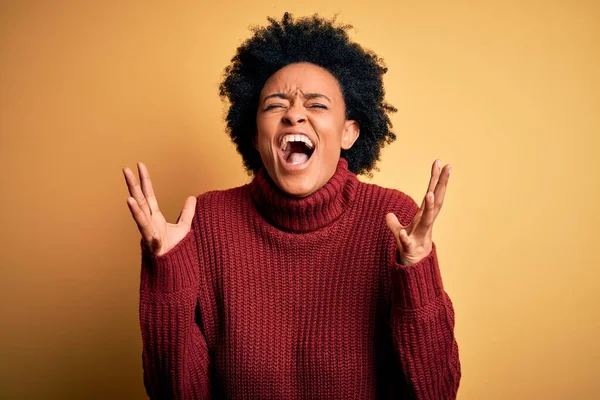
<point x="296" y="138"/>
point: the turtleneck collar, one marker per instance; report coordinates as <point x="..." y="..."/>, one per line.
<point x="308" y="213"/>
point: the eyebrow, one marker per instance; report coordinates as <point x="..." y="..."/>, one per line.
<point x="308" y="96"/>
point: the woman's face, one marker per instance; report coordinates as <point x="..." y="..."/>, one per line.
<point x="302" y="127"/>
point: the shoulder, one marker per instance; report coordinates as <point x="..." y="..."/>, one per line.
<point x="384" y="200"/>
<point x="216" y="200"/>
<point x="218" y="209"/>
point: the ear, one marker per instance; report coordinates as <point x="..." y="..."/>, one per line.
<point x="351" y="133"/>
<point x="255" y="140"/>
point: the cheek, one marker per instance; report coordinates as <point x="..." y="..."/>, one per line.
<point x="330" y="132"/>
<point x="263" y="132"/>
<point x="266" y="129"/>
<point x="266" y="123"/>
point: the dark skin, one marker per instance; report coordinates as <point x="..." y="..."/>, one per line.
<point x="306" y="99"/>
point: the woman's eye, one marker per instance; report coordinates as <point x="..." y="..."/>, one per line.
<point x="318" y="105"/>
<point x="272" y="106"/>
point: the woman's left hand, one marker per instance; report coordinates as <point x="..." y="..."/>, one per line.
<point x="414" y="241"/>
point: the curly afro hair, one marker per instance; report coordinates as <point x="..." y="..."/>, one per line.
<point x="321" y="42"/>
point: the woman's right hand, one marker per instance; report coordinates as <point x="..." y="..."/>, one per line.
<point x="158" y="235"/>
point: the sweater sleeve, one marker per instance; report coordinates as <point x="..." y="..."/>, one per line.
<point x="422" y="327"/>
<point x="175" y="355"/>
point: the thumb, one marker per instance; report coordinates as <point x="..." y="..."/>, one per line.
<point x="399" y="231"/>
<point x="187" y="214"/>
<point x="393" y="224"/>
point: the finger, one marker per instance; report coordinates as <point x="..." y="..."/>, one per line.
<point x="135" y="191"/>
<point x="417" y="217"/>
<point x="398" y="230"/>
<point x="423" y="226"/>
<point x="403" y="240"/>
<point x="187" y="214"/>
<point x="147" y="188"/>
<point x="142" y="221"/>
<point x="440" y="189"/>
<point x="406" y="241"/>
<point x="435" y="175"/>
<point x="392" y="222"/>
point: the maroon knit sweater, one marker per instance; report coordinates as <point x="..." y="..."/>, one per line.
<point x="272" y="297"/>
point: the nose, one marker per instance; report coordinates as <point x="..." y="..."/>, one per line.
<point x="293" y="116"/>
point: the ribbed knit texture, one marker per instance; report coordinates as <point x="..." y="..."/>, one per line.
<point x="273" y="297"/>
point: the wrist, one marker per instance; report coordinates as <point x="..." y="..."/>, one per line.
<point x="414" y="258"/>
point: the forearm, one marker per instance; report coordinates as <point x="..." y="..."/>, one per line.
<point x="175" y="358"/>
<point x="422" y="326"/>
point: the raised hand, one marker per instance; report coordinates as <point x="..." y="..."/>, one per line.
<point x="414" y="241"/>
<point x="158" y="235"/>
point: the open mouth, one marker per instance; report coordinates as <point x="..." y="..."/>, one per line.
<point x="296" y="149"/>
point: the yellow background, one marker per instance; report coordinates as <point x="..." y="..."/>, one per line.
<point x="509" y="92"/>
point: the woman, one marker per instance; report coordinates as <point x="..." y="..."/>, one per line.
<point x="305" y="283"/>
